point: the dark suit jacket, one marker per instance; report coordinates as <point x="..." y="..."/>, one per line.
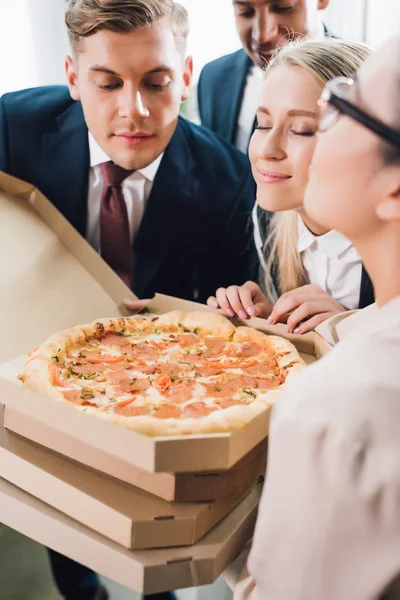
<point x="367" y="296"/>
<point x="220" y="92"/>
<point x="196" y="233"/>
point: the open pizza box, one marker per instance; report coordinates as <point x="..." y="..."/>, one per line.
<point x="56" y="280"/>
<point x="145" y="571"/>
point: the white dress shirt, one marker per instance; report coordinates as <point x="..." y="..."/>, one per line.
<point x="248" y="109"/>
<point x="329" y="519"/>
<point x="136" y="190"/>
<point x="330" y="260"/>
<point x="332" y="263"/>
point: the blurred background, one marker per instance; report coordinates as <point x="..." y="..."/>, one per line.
<point x="40" y="44"/>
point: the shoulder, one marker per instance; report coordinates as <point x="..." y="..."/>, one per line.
<point x="34" y="105"/>
<point x="212" y="153"/>
<point x="217" y="68"/>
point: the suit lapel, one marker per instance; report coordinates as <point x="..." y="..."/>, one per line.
<point x="66" y="153"/>
<point x="168" y="211"/>
<point x="232" y="90"/>
<point x="367" y="295"/>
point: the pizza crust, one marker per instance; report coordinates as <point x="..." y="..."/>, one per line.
<point x="224" y="421"/>
<point x="37" y="377"/>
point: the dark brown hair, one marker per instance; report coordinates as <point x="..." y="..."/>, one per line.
<point x="85" y="17"/>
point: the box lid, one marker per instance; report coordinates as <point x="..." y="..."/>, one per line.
<point x="55" y="279"/>
<point x="145" y="571"/>
<point x="130" y="516"/>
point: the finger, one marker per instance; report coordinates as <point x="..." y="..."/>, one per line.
<point x="223" y="302"/>
<point x="286" y="304"/>
<point x="136" y="305"/>
<point x="212" y="301"/>
<point x="306" y="310"/>
<point x="311" y="324"/>
<point x="235" y="302"/>
<point x="247" y="294"/>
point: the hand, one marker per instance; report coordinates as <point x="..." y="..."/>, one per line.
<point x="136" y="305"/>
<point x="308" y="306"/>
<point x="245" y="301"/>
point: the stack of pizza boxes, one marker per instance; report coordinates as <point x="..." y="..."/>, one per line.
<point x="153" y="513"/>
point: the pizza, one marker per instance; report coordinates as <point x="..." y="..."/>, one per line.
<point x="180" y="373"/>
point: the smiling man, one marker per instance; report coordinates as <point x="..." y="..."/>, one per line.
<point x="229" y="87"/>
<point x="166" y="203"/>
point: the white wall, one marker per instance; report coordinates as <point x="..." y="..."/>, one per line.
<point x="33" y="41"/>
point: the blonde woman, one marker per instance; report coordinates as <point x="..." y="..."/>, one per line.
<point x="314" y="272"/>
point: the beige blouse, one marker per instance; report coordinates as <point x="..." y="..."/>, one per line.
<point x="329" y="521"/>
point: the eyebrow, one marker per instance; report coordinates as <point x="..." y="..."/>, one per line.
<point x="103" y="69"/>
<point x="292" y="113"/>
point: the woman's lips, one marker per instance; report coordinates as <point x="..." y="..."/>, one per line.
<point x="271" y="177"/>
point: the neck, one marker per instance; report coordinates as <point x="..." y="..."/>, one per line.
<point x="314" y="227"/>
<point x="380" y="254"/>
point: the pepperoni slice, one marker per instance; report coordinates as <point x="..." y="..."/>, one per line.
<point x="147" y="369"/>
<point x="187" y="339"/>
<point x="198" y="409"/>
<point x="208" y="371"/>
<point x="73" y="396"/>
<point x="144" y="351"/>
<point x="134" y="385"/>
<point x="118" y="376"/>
<point x="55" y="374"/>
<point x="231" y="386"/>
<point x="249" y="349"/>
<point x="189" y="359"/>
<point x="95" y="356"/>
<point x="114" y="339"/>
<point x="132" y="411"/>
<point x="171" y="369"/>
<point x="179" y="393"/>
<point x="214" y="346"/>
<point x="168" y="411"/>
<point x="261" y="368"/>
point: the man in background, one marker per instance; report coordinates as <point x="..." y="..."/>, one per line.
<point x="165" y="202"/>
<point x="229" y="87"/>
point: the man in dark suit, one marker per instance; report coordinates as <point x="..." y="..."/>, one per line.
<point x="229" y="87"/>
<point x="166" y="203"/>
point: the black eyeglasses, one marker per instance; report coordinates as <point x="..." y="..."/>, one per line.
<point x="333" y="104"/>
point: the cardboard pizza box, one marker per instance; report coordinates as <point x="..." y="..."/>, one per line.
<point x="129" y="516"/>
<point x="56" y="280"/>
<point x="96" y="442"/>
<point x="173" y="487"/>
<point x="50" y="277"/>
<point x="145" y="571"/>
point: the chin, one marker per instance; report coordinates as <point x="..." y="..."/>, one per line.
<point x="272" y="204"/>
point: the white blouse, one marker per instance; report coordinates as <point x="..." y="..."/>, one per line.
<point x="330" y="260"/>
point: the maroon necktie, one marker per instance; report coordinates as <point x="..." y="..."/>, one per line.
<point x="115" y="239"/>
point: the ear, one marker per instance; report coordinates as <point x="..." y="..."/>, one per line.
<point x="388" y="208"/>
<point x="187" y="78"/>
<point x="72" y="77"/>
<point x="322" y="4"/>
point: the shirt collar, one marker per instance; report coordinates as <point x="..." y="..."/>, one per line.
<point x="332" y="244"/>
<point x="98" y="156"/>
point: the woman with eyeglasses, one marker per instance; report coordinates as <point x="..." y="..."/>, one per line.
<point x="329" y="520"/>
<point x="314" y="272"/>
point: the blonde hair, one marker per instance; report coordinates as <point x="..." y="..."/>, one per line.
<point x="84" y="18"/>
<point x="325" y="60"/>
